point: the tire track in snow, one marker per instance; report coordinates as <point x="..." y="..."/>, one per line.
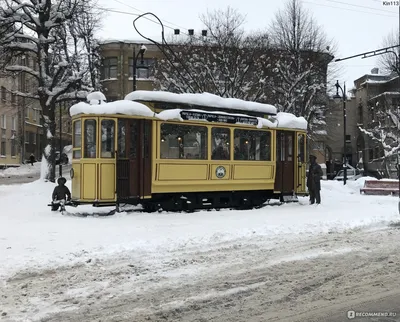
<point x="227" y="282"/>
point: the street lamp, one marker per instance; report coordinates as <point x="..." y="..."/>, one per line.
<point x="61" y="150"/>
<point x="135" y="58"/>
<point x="337" y="99"/>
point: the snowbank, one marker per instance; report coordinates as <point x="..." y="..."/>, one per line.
<point x="34" y="236"/>
<point x="23" y="170"/>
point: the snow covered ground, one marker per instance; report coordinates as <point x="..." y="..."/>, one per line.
<point x="179" y="266"/>
<point x="22" y="170"/>
<point x="33" y="237"/>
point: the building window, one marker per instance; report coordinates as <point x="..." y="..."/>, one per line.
<point x="107" y="138"/>
<point x="348" y="138"/>
<point x="13" y="99"/>
<point x="3" y="124"/>
<point x="220" y="143"/>
<point x="27" y="111"/>
<point x="360" y="114"/>
<point x="3" y="143"/>
<point x="32" y="138"/>
<point x="34" y="112"/>
<point x="13" y="146"/>
<point x="90" y="139"/>
<point x="183" y="142"/>
<point x="109" y="68"/>
<point x="3" y="94"/>
<point x="13" y="123"/>
<point x="252" y="145"/>
<point x="146" y="72"/>
<point x="26" y="137"/>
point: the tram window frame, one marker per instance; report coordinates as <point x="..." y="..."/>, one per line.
<point x="108" y="145"/>
<point x="224" y="142"/>
<point x="178" y="134"/>
<point x="243" y="137"/>
<point x="92" y="154"/>
<point x="77" y="140"/>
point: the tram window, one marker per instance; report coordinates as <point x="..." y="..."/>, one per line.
<point x="183" y="142"/>
<point x="121" y="139"/>
<point x="77" y="134"/>
<point x="289" y="144"/>
<point x="301" y="147"/>
<point x="77" y="140"/>
<point x="90" y="139"/>
<point x="220" y="142"/>
<point x="107" y="138"/>
<point x="133" y="127"/>
<point x="252" y="145"/>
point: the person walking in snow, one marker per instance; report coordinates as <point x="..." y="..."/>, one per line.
<point x="314" y="180"/>
<point x="32" y="159"/>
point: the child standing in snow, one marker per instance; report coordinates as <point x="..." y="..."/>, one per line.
<point x="61" y="194"/>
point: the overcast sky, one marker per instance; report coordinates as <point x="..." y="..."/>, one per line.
<point x="357" y="26"/>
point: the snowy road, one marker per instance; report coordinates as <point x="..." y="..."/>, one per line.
<point x="249" y="279"/>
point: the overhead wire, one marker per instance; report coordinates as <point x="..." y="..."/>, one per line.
<point x="353" y="10"/>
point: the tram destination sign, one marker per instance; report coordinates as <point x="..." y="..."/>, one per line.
<point x="221" y="118"/>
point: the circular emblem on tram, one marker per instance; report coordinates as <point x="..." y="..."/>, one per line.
<point x="220" y="172"/>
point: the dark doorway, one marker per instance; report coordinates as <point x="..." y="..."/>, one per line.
<point x="134" y="159"/>
<point x="284" y="180"/>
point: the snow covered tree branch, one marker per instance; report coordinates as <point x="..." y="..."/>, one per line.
<point x="226" y="62"/>
<point x="383" y="130"/>
<point x="57" y="36"/>
<point x="302" y="53"/>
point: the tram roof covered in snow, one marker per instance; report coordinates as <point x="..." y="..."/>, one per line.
<point x="131" y="108"/>
<point x="202" y="99"/>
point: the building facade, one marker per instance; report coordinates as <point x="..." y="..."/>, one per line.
<point x="372" y="93"/>
<point x="117" y="67"/>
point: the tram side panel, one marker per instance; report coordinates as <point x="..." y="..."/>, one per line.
<point x="186" y="158"/>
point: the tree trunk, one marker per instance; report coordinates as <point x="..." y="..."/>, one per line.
<point x="49" y="155"/>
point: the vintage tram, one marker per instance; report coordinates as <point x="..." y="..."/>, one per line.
<point x="175" y="152"/>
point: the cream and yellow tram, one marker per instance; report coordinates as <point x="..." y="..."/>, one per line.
<point x="185" y="151"/>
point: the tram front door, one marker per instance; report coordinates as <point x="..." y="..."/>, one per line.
<point x="133" y="159"/>
<point x="284" y="179"/>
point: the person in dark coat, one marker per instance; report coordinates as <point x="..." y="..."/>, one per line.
<point x="32" y="159"/>
<point x="60" y="195"/>
<point x="314" y="180"/>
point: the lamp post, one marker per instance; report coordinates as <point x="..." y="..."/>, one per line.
<point x="338" y="98"/>
<point x="135" y="58"/>
<point x="60" y="126"/>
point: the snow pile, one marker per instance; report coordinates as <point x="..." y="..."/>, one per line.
<point x="125" y="107"/>
<point x="201" y="99"/>
<point x="23" y="170"/>
<point x="96" y="98"/>
<point x="287" y="120"/>
<point x="117" y="107"/>
<point x="36" y="237"/>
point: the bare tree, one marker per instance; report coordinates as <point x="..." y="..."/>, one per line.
<point x="303" y="52"/>
<point x="389" y="61"/>
<point x="227" y="62"/>
<point x="49" y="33"/>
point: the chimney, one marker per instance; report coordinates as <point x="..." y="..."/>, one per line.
<point x="375" y="70"/>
